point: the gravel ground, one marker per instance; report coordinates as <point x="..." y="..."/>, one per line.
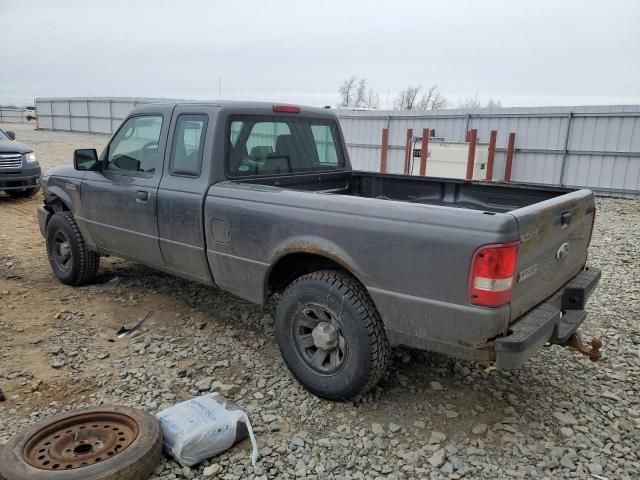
<point x="560" y="416"/>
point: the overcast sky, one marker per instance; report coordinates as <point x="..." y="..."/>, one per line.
<point x="524" y="53"/>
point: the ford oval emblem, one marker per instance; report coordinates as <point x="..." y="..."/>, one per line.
<point x="562" y="252"/>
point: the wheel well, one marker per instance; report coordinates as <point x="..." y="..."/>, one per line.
<point x="295" y="265"/>
<point x="56" y="205"/>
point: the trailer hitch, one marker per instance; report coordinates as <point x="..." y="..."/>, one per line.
<point x="593" y="353"/>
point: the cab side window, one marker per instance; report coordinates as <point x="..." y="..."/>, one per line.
<point x="188" y="145"/>
<point x="136" y="146"/>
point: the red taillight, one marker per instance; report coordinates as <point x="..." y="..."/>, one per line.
<point x="286" y="109"/>
<point x="492" y="274"/>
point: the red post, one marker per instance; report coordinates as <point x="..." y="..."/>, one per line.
<point x="510" y="150"/>
<point x="491" y="154"/>
<point x="424" y="151"/>
<point x="473" y="139"/>
<point x="407" y="151"/>
<point x="383" y="150"/>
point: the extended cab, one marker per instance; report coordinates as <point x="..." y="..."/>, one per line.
<point x="261" y="201"/>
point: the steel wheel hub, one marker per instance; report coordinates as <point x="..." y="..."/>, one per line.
<point x="318" y="336"/>
<point x="325" y="336"/>
<point x="65" y="250"/>
<point x="62" y="251"/>
<point x="80" y="441"/>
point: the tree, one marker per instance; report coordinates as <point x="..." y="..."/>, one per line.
<point x="408" y="99"/>
<point x="361" y="93"/>
<point x="432" y="100"/>
<point x="354" y="94"/>
<point x="474" y="102"/>
<point x="373" y="99"/>
<point x="347" y="92"/>
<point x="470" y="102"/>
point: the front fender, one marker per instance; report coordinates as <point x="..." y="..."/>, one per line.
<point x="66" y="190"/>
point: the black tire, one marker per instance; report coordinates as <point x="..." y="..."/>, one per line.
<point x="136" y="462"/>
<point x="341" y="305"/>
<point x="71" y="260"/>
<point x="24" y="193"/>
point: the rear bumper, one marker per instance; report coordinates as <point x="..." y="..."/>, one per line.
<point x="28" y="178"/>
<point x="553" y="321"/>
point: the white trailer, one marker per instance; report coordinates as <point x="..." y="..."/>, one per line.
<point x="449" y="159"/>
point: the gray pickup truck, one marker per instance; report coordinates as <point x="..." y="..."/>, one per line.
<point x="260" y="200"/>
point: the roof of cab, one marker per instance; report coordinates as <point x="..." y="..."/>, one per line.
<point x="235" y="105"/>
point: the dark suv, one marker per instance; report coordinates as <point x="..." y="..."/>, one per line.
<point x="19" y="169"/>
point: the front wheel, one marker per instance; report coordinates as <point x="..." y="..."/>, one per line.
<point x="70" y="259"/>
<point x="330" y="335"/>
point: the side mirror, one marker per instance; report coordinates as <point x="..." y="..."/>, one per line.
<point x="10" y="134"/>
<point x="86" y="159"/>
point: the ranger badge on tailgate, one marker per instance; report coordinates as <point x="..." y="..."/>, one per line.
<point x="527" y="272"/>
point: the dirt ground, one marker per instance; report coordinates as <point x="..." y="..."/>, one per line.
<point x="58" y="349"/>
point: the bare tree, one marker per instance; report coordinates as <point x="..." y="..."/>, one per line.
<point x="470" y="102"/>
<point x="347" y="92"/>
<point x="373" y="99"/>
<point x="408" y="99"/>
<point x="361" y="93"/>
<point x="474" y="102"/>
<point x="432" y="100"/>
<point x="354" y="94"/>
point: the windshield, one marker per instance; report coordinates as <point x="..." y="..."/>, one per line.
<point x="3" y="136"/>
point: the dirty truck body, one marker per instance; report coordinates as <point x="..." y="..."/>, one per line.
<point x="261" y="201"/>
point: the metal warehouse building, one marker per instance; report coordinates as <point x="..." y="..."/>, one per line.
<point x="592" y="146"/>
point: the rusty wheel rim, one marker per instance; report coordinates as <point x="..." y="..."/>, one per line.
<point x="80" y="441"/>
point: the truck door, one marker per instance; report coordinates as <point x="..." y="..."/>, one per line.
<point x="119" y="203"/>
<point x="181" y="194"/>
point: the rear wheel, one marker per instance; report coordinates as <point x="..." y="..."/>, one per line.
<point x="330" y="335"/>
<point x="71" y="260"/>
<point x="24" y="193"/>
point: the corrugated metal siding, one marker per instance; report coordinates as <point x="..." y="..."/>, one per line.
<point x="602" y="142"/>
<point x="91" y="114"/>
<point x="12" y="115"/>
<point x="602" y="146"/>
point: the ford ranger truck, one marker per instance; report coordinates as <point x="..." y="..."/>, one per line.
<point x="260" y="200"/>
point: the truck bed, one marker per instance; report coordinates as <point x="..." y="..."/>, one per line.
<point x="483" y="196"/>
<point x="544" y="219"/>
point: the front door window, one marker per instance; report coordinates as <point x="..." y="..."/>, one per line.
<point x="135" y="148"/>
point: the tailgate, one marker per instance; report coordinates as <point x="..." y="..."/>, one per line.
<point x="554" y="237"/>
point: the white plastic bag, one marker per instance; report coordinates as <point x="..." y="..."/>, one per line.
<point x="201" y="428"/>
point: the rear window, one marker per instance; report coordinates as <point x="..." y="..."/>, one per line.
<point x="281" y="145"/>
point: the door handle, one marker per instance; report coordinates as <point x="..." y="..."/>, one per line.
<point x="142" y="196"/>
<point x="565" y="219"/>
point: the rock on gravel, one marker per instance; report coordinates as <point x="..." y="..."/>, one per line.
<point x="437" y="459"/>
<point x="479" y="429"/>
<point x="565" y="418"/>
